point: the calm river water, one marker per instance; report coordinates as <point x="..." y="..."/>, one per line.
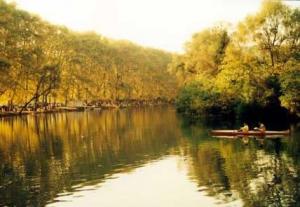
<point x="141" y="157"/>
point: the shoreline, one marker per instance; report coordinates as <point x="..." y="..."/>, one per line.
<point x="75" y="109"/>
<point x="58" y="110"/>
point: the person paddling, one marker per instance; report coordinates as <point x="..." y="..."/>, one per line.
<point x="260" y="128"/>
<point x="245" y="128"/>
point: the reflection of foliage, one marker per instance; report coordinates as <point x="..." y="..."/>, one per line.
<point x="261" y="173"/>
<point x="42" y="156"/>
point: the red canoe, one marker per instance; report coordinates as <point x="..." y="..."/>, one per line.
<point x="253" y="133"/>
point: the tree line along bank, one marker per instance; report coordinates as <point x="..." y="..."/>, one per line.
<point x="43" y="65"/>
<point x="251" y="70"/>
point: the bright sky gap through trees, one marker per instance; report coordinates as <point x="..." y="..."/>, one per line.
<point x="161" y="24"/>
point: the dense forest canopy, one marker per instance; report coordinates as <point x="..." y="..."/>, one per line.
<point x="223" y="70"/>
<point x="257" y="63"/>
<point x="43" y="63"/>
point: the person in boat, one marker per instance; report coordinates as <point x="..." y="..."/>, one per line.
<point x="245" y="128"/>
<point x="260" y="128"/>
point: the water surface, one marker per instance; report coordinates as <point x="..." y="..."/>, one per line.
<point x="141" y="157"/>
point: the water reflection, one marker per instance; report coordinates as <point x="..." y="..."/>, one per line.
<point x="47" y="154"/>
<point x="157" y="183"/>
<point x="260" y="172"/>
<point x="150" y="153"/>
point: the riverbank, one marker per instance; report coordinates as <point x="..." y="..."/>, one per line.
<point x="276" y="116"/>
<point x="97" y="106"/>
<point x="56" y="110"/>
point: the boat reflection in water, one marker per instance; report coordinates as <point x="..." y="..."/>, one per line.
<point x="140" y="157"/>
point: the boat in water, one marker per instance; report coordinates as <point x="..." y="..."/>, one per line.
<point x="255" y="133"/>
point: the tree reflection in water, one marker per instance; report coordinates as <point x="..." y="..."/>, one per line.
<point x="261" y="173"/>
<point x="46" y="155"/>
